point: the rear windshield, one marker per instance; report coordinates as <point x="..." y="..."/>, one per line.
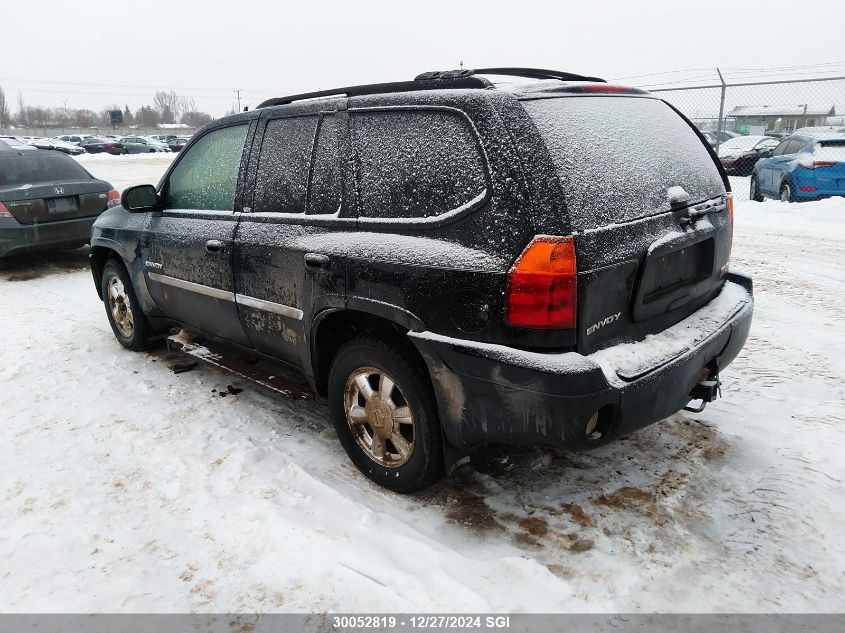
<point x="38" y="168"/>
<point x="618" y="156"/>
<point x="831" y="150"/>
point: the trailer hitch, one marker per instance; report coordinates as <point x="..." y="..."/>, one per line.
<point x="706" y="391"/>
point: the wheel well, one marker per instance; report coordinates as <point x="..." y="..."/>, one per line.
<point x="337" y="328"/>
<point x="99" y="256"/>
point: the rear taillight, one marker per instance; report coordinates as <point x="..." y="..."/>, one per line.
<point x="4" y="211"/>
<point x="823" y="163"/>
<point x="114" y="198"/>
<point x="542" y="285"/>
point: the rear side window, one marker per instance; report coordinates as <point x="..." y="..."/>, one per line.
<point x="795" y="146"/>
<point x="617" y="156"/>
<point x="416" y="163"/>
<point x="207" y="174"/>
<point x="28" y="170"/>
<point x="282" y="179"/>
<point x="325" y="190"/>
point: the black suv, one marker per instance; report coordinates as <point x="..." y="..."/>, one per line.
<point x="448" y="260"/>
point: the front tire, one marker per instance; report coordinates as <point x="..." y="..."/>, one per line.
<point x="786" y="194"/>
<point x="383" y="409"/>
<point x="755" y="194"/>
<point x="128" y="323"/>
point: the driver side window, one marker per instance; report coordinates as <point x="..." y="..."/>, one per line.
<point x="206" y="177"/>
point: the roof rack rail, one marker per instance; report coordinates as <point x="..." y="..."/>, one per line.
<point x="455" y="79"/>
<point x="433" y="80"/>
<point x="530" y="73"/>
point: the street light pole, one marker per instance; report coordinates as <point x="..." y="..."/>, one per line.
<point x="238" y="92"/>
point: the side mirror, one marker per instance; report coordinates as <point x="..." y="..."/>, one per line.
<point x="140" y="199"/>
<point x="765" y="152"/>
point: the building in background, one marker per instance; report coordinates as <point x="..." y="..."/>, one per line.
<point x="758" y="119"/>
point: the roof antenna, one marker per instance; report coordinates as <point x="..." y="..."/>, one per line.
<point x="462" y="64"/>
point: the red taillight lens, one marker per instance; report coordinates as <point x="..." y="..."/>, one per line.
<point x="542" y="285"/>
<point x="823" y="163"/>
<point x="808" y="189"/>
<point x="114" y="198"/>
<point x="606" y="88"/>
<point x="4" y="211"/>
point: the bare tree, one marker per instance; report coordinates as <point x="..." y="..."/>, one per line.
<point x="5" y="116"/>
<point x="22" y="120"/>
<point x="169" y="104"/>
<point x="147" y="117"/>
<point x="196" y="119"/>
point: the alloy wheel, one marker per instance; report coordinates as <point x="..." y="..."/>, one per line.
<point x="120" y="307"/>
<point x="379" y="417"/>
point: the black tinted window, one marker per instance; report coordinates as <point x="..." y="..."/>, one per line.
<point x="618" y="156"/>
<point x="416" y="164"/>
<point x="25" y="170"/>
<point x="282" y="180"/>
<point x="207" y="175"/>
<point x="325" y="192"/>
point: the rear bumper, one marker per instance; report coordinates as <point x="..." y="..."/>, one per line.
<point x="485" y="395"/>
<point x="18" y="238"/>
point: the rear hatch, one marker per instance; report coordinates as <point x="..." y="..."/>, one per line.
<point x="647" y="206"/>
<point x="42" y="187"/>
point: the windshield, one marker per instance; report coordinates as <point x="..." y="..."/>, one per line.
<point x="40" y="167"/>
<point x="618" y="156"/>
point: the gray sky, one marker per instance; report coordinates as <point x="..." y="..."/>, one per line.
<point x="123" y="51"/>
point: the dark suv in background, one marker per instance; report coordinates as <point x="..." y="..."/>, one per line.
<point x="449" y="261"/>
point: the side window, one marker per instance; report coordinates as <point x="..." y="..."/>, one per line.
<point x="282" y="180"/>
<point x="780" y="149"/>
<point x="415" y="163"/>
<point x="795" y="146"/>
<point x="324" y="194"/>
<point x="206" y="176"/>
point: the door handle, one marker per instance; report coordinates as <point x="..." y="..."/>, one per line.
<point x="317" y="261"/>
<point x="214" y="246"/>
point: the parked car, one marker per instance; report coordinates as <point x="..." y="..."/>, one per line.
<point x="140" y="145"/>
<point x="55" y="144"/>
<point x="463" y="280"/>
<point x="47" y="200"/>
<point x="76" y="139"/>
<point x="15" y="142"/>
<point x="177" y="144"/>
<point x="155" y="141"/>
<point x="741" y="153"/>
<point x="714" y="137"/>
<point x="802" y="167"/>
<point x="97" y="145"/>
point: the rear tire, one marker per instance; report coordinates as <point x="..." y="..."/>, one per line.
<point x="383" y="409"/>
<point x="786" y="194"/>
<point x="128" y="323"/>
<point x="754" y="193"/>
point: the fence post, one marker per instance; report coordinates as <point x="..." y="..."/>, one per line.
<point x="721" y="127"/>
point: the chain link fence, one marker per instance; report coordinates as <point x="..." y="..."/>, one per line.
<point x="773" y="108"/>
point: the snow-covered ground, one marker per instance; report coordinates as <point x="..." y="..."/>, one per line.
<point x="126" y="487"/>
<point x="127" y="171"/>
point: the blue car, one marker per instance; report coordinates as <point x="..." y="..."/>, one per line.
<point x="802" y="167"/>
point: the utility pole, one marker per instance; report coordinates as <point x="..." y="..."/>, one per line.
<point x="238" y="92"/>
